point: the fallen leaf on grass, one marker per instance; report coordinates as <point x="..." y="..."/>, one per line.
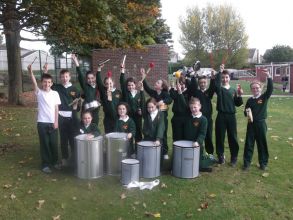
<point x="188" y="215"/>
<point x="163" y="185"/>
<point x="266" y="196"/>
<point x="21" y="162"/>
<point x="155" y="215"/>
<point x="258" y="181"/>
<point x="17" y="135"/>
<point x="89" y="186"/>
<point x="231" y="191"/>
<point x="54" y="180"/>
<point x="123" y="196"/>
<point x="62" y="206"/>
<point x="29" y="174"/>
<point x="241" y="140"/>
<point x="270" y="129"/>
<point x="199" y="209"/>
<point x="144" y="205"/>
<point x="7" y="186"/>
<point x="276" y="158"/>
<point x="164" y="202"/>
<point x="74" y="198"/>
<point x="136" y="203"/>
<point x="56" y="217"/>
<point x="204" y="205"/>
<point x="290" y="138"/>
<point x="40" y="204"/>
<point x="12" y="196"/>
<point x="29" y="192"/>
<point x="265" y="174"/>
<point x="212" y="195"/>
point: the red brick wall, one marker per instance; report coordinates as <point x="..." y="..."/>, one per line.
<point x="134" y="61"/>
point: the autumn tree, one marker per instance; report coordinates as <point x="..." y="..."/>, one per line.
<point x="77" y="25"/>
<point x="214" y="35"/>
<point x="279" y="53"/>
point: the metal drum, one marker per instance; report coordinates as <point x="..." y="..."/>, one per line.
<point x="149" y="157"/>
<point x="185" y="159"/>
<point x="117" y="146"/>
<point x="89" y="157"/>
<point x="129" y="171"/>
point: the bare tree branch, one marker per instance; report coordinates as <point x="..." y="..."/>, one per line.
<point x="28" y="39"/>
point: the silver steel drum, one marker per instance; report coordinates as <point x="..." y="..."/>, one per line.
<point x="149" y="157"/>
<point x="89" y="157"/>
<point x="129" y="171"/>
<point x="185" y="159"/>
<point x="117" y="146"/>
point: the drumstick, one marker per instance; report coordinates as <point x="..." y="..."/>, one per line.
<point x="74" y="101"/>
<point x="34" y="61"/>
<point x="103" y="62"/>
<point x="123" y="61"/>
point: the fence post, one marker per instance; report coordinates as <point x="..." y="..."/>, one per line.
<point x="40" y="59"/>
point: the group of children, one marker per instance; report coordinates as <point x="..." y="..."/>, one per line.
<point x="127" y="111"/>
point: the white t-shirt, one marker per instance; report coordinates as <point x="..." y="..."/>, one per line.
<point x="47" y="102"/>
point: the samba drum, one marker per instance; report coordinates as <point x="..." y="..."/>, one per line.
<point x="149" y="157"/>
<point x="116" y="146"/>
<point x="89" y="156"/>
<point x="185" y="159"/>
<point x="129" y="171"/>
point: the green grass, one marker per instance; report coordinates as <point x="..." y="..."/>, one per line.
<point x="238" y="194"/>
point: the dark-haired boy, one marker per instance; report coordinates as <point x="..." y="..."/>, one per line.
<point x="227" y="99"/>
<point x="48" y="101"/>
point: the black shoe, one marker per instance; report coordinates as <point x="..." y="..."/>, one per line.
<point x="245" y="168"/>
<point x="263" y="167"/>
<point x="233" y="162"/>
<point x="206" y="169"/>
<point x="221" y="159"/>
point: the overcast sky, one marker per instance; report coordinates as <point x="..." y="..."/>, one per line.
<point x="267" y="22"/>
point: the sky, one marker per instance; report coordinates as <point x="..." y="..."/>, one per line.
<point x="267" y="23"/>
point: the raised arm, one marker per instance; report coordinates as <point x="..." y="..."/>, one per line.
<point x="33" y="78"/>
<point x="270" y="87"/>
<point x="123" y="84"/>
<point x="81" y="78"/>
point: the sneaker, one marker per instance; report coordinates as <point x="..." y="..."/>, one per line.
<point x="47" y="170"/>
<point x="166" y="157"/>
<point x="221" y="159"/>
<point x="263" y="167"/>
<point x="57" y="166"/>
<point x="233" y="162"/>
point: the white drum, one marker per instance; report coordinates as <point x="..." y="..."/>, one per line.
<point x="129" y="171"/>
<point x="149" y="157"/>
<point x="117" y="146"/>
<point x="185" y="159"/>
<point x="89" y="157"/>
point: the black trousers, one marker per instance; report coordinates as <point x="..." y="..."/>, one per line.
<point x="67" y="132"/>
<point x="48" y="137"/>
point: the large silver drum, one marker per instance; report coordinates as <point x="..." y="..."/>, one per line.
<point x="129" y="171"/>
<point x="185" y="159"/>
<point x="149" y="157"/>
<point x="89" y="157"/>
<point x="117" y="146"/>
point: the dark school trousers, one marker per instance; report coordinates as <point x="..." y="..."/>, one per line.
<point x="67" y="133"/>
<point x="256" y="132"/>
<point x="177" y="122"/>
<point x="208" y="142"/>
<point x="48" y="137"/>
<point x="226" y="122"/>
<point x="109" y="124"/>
<point x="165" y="143"/>
<point x="95" y="113"/>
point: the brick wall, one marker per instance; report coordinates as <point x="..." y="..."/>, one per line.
<point x="134" y="61"/>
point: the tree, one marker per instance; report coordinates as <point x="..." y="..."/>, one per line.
<point x="279" y="53"/>
<point x="77" y="25"/>
<point x="214" y="35"/>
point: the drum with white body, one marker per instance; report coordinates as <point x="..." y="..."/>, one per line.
<point x="89" y="156"/>
<point x="117" y="146"/>
<point x="129" y="171"/>
<point x="149" y="157"/>
<point x="185" y="159"/>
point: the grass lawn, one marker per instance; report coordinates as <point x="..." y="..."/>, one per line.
<point x="226" y="193"/>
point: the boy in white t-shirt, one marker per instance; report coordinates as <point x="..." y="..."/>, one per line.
<point x="47" y="123"/>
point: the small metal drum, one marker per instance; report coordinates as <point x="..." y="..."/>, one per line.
<point x="89" y="157"/>
<point x="129" y="171"/>
<point x="117" y="146"/>
<point x="92" y="105"/>
<point x="149" y="157"/>
<point x="185" y="159"/>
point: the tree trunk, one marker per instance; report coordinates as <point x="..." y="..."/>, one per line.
<point x="12" y="38"/>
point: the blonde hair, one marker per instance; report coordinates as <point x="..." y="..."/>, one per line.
<point x="194" y="100"/>
<point x="256" y="82"/>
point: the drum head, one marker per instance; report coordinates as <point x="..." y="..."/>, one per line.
<point x="83" y="137"/>
<point x="117" y="135"/>
<point x="146" y="144"/>
<point x="183" y="143"/>
<point x="130" y="161"/>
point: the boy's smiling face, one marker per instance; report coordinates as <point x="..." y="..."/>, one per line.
<point x="65" y="78"/>
<point x="46" y="84"/>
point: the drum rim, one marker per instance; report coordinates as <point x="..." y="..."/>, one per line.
<point x="152" y="145"/>
<point x="100" y="137"/>
<point x="109" y="135"/>
<point x="176" y="145"/>
<point x="135" y="161"/>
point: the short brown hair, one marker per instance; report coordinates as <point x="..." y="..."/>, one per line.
<point x="194" y="100"/>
